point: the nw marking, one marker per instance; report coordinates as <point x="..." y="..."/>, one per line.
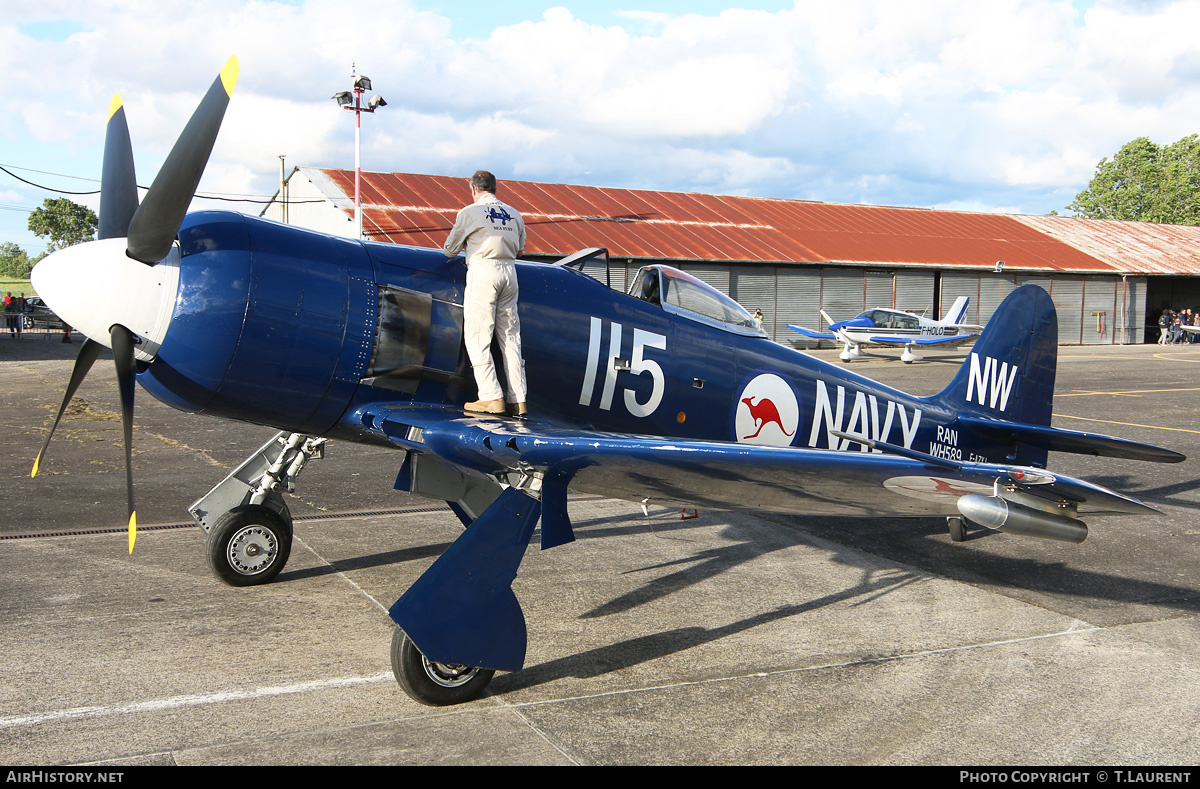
<point x="997" y="377"/>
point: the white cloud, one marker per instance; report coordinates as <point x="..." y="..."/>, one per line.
<point x="1008" y="103"/>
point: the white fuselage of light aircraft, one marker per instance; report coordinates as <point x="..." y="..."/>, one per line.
<point x="896" y="328"/>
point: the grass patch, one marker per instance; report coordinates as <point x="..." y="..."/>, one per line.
<point x="17" y="286"/>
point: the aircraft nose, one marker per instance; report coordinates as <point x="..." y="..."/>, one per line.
<point x="94" y="286"/>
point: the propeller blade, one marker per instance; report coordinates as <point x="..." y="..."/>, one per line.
<point x="118" y="183"/>
<point x="157" y="220"/>
<point x="83" y="363"/>
<point x="122" y="347"/>
<point x="828" y="320"/>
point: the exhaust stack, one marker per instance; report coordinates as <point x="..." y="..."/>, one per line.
<point x="997" y="513"/>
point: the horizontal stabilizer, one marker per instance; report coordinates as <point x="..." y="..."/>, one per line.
<point x="816" y="335"/>
<point x="1059" y="440"/>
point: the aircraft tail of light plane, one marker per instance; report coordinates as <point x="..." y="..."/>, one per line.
<point x="667" y="394"/>
<point x="896" y="328"/>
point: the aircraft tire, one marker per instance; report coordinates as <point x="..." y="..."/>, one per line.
<point x="958" y="528"/>
<point x="249" y="545"/>
<point x="434" y="684"/>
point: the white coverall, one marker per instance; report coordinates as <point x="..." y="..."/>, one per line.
<point x="493" y="234"/>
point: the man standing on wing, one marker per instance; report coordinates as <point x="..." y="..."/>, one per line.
<point x="493" y="234"/>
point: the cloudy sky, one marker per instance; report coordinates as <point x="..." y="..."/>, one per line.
<point x="997" y="105"/>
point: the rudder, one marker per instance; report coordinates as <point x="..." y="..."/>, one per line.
<point x="958" y="310"/>
<point x="1009" y="371"/>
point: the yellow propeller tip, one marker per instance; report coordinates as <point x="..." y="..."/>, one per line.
<point x="229" y="74"/>
<point x="114" y="105"/>
<point x="36" y="461"/>
<point x="132" y="530"/>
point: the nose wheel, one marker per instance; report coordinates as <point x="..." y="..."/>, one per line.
<point x="432" y="683"/>
<point x="249" y="546"/>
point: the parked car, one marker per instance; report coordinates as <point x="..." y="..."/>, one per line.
<point x="38" y="315"/>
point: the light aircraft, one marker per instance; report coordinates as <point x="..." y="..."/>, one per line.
<point x="886" y="326"/>
<point x="669" y="394"/>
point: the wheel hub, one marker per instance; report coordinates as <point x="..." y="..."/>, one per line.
<point x="252" y="550"/>
<point x="448" y="675"/>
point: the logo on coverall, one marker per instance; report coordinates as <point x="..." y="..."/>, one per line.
<point x="498" y="213"/>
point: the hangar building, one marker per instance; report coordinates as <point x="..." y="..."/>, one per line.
<point x="793" y="258"/>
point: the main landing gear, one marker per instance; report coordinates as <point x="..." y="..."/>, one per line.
<point x="462" y="610"/>
<point x="247" y="521"/>
<point x="434" y="684"/>
<point x="249" y="545"/>
<point x="908" y="357"/>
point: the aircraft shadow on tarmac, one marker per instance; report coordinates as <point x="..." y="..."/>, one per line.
<point x="999" y="573"/>
<point x="642" y="649"/>
<point x="914" y="541"/>
<point x="1161" y="496"/>
<point x="910" y="541"/>
<point x="399" y="556"/>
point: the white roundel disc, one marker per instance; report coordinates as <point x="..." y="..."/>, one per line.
<point x="767" y="412"/>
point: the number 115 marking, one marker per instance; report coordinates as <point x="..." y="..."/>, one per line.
<point x="637" y="365"/>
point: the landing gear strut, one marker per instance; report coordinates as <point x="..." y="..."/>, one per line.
<point x="247" y="521"/>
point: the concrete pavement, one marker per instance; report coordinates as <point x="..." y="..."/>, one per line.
<point x="728" y="639"/>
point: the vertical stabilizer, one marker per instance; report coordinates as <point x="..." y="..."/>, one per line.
<point x="1009" y="371"/>
<point x="958" y="310"/>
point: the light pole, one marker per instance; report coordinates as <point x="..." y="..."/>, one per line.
<point x="352" y="101"/>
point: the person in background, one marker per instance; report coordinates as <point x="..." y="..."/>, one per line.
<point x="10" y="314"/>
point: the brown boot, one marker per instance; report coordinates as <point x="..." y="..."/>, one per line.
<point x="485" y="407"/>
<point x="517" y="409"/>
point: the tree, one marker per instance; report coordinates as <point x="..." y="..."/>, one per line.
<point x="63" y="222"/>
<point x="15" y="263"/>
<point x="1146" y="182"/>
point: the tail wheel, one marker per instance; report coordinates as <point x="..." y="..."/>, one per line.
<point x="249" y="546"/>
<point x="432" y="683"/>
<point x="958" y="528"/>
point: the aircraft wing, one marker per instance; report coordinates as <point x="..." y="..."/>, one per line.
<point x="718" y="475"/>
<point x="463" y="609"/>
<point x="955" y="339"/>
<point x="816" y="335"/>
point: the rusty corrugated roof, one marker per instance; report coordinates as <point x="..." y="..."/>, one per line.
<point x="1128" y="247"/>
<point x="416" y="209"/>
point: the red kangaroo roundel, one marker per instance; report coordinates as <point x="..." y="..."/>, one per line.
<point x="767" y="412"/>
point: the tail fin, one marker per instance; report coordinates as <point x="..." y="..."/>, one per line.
<point x="958" y="310"/>
<point x="1009" y="372"/>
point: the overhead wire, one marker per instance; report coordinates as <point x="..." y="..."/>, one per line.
<point x="225" y="198"/>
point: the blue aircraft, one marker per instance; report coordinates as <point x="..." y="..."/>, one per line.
<point x="896" y="328"/>
<point x="667" y="394"/>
